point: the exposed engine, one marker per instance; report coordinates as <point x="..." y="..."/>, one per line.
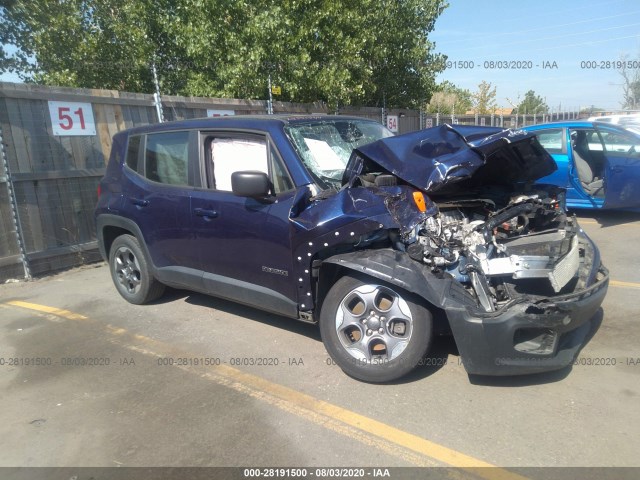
<point x="495" y="251"/>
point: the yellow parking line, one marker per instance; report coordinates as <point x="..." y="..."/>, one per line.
<point x="318" y="411"/>
<point x="618" y="283"/>
<point x="43" y="308"/>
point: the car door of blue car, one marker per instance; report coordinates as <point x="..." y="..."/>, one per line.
<point x="622" y="169"/>
<point x="584" y="146"/>
<point x="244" y="243"/>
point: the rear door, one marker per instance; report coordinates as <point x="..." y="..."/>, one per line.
<point x="244" y="243"/>
<point x="622" y="168"/>
<point x="157" y="199"/>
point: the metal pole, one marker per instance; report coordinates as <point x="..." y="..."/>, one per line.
<point x="156" y="96"/>
<point x="14" y="210"/>
<point x="384" y="109"/>
<point x="270" y="104"/>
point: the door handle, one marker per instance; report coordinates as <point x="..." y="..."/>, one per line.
<point x="139" y="202"/>
<point x="203" y="212"/>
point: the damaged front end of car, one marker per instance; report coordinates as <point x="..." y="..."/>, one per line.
<point x="518" y="279"/>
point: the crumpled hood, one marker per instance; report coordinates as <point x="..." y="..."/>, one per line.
<point x="466" y="156"/>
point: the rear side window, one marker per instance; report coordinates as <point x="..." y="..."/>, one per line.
<point x="167" y="157"/>
<point x="133" y="152"/>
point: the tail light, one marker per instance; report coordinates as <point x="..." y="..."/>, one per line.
<point x="99" y="191"/>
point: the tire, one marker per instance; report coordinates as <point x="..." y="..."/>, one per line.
<point x="375" y="332"/>
<point x="131" y="273"/>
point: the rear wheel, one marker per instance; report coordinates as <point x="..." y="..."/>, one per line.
<point x="131" y="273"/>
<point x="374" y="332"/>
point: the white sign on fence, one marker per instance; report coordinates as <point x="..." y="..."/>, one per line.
<point x="392" y="123"/>
<point x="483" y="121"/>
<point x="72" y="118"/>
<point x="220" y="113"/>
<point x="429" y="122"/>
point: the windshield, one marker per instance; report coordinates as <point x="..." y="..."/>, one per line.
<point x="326" y="145"/>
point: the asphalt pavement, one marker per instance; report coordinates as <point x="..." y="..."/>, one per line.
<point x="90" y="380"/>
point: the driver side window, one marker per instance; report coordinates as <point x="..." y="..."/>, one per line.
<point x="226" y="155"/>
<point x="615" y="142"/>
<point x="230" y="155"/>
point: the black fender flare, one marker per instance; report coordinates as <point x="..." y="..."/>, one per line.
<point x="393" y="267"/>
<point x="105" y="220"/>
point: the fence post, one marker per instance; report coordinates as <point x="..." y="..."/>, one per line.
<point x="14" y="209"/>
<point x="156" y="96"/>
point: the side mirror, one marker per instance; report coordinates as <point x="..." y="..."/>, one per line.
<point x="250" y="183"/>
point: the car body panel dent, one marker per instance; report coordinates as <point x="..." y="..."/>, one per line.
<point x="434" y="158"/>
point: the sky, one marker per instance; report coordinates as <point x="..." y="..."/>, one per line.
<point x="570" y="38"/>
<point x="578" y="41"/>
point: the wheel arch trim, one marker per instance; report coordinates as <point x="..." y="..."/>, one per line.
<point x="391" y="266"/>
<point x="107" y="220"/>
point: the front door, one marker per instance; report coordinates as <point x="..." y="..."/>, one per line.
<point x="622" y="174"/>
<point x="244" y="243"/>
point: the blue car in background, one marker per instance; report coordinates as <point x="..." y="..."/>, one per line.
<point x="598" y="163"/>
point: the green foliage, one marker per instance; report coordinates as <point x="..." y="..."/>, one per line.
<point x="340" y="52"/>
<point x="448" y="98"/>
<point x="484" y="99"/>
<point x="591" y="110"/>
<point x="531" y="104"/>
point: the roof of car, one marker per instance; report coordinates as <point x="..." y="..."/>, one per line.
<point x="240" y="121"/>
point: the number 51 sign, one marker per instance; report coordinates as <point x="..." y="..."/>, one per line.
<point x="72" y="118"/>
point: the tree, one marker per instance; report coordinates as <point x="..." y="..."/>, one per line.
<point x="448" y="99"/>
<point x="484" y="99"/>
<point x="591" y="110"/>
<point x="630" y="72"/>
<point x="532" y="104"/>
<point x="340" y="52"/>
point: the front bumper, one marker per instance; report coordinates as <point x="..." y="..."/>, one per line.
<point x="530" y="336"/>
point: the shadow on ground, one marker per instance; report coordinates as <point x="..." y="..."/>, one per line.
<point x="609" y="218"/>
<point x="443" y="351"/>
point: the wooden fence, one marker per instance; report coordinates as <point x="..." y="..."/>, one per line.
<point x="48" y="181"/>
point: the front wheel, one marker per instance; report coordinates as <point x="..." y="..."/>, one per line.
<point x="374" y="332"/>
